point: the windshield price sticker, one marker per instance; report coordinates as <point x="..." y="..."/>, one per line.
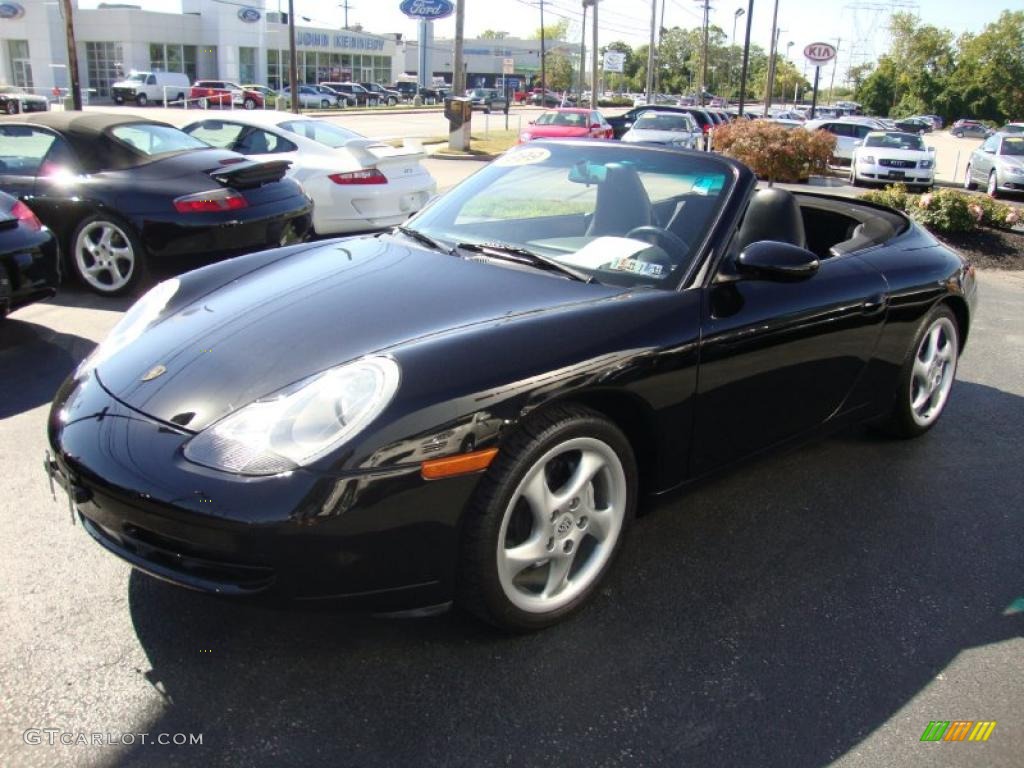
<point x="523" y="157"/>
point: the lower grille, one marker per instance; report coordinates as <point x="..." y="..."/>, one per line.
<point x="898" y="163"/>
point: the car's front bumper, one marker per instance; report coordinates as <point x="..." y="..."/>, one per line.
<point x="887" y="175"/>
<point x="1011" y="182"/>
<point x="385" y="540"/>
<point x="29" y="272"/>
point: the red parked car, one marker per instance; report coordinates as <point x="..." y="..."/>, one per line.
<point x="568" y="124"/>
<point x="223" y="93"/>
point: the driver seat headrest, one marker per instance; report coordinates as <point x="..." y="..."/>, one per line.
<point x="773" y="214"/>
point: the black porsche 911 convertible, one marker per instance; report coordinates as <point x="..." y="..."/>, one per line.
<point x="469" y="407"/>
<point x="124" y="193"/>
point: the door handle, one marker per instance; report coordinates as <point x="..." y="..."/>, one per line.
<point x="873" y="304"/>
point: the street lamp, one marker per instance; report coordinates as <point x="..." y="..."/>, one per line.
<point x="735" y="18"/>
<point x="788" y="46"/>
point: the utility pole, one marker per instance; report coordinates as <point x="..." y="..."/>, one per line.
<point x="746" y="56"/>
<point x="835" y="61"/>
<point x="543" y="71"/>
<point x="293" y="72"/>
<point x="661" y="40"/>
<point x="704" y="54"/>
<point x="650" y="54"/>
<point x="347" y="6"/>
<point x="458" y="70"/>
<point x="770" y="85"/>
<point x="595" y="75"/>
<point x="74" y="86"/>
<point x="732" y="45"/>
<point x="583" y="57"/>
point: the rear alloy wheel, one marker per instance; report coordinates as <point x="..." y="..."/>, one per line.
<point x="959" y="134"/>
<point x="548" y="519"/>
<point x="968" y="182"/>
<point x="106" y="256"/>
<point x="993" y="185"/>
<point x="12" y="107"/>
<point x="927" y="376"/>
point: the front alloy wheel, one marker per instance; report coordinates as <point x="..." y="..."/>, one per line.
<point x="968" y="181"/>
<point x="927" y="377"/>
<point x="548" y="519"/>
<point x="993" y="185"/>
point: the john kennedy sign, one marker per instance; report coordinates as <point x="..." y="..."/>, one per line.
<point x="428" y="10"/>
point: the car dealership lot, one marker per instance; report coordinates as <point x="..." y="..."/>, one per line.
<point x="821" y="604"/>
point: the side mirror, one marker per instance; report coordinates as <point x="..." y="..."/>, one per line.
<point x="773" y="260"/>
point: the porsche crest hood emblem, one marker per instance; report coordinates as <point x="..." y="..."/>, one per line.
<point x="154" y="372"/>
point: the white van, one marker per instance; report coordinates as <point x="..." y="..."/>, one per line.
<point x="144" y="87"/>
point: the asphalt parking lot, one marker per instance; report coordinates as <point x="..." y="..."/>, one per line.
<point x="819" y="606"/>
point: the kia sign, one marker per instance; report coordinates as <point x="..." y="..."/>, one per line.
<point x="819" y="53"/>
<point x="427" y="10"/>
<point x="11" y="11"/>
<point x="249" y="15"/>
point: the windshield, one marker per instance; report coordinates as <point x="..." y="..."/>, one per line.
<point x="331" y="135"/>
<point x="574" y="119"/>
<point x="137" y="77"/>
<point x="618" y="213"/>
<point x="894" y="141"/>
<point x="661" y="123"/>
<point x="1012" y="146"/>
<point x="153" y="139"/>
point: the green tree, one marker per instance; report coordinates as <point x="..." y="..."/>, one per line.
<point x="560" y="71"/>
<point x="557" y="31"/>
<point x="989" y="78"/>
<point x="493" y="34"/>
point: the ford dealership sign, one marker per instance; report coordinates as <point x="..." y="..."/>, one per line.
<point x="16" y="11"/>
<point x="249" y="15"/>
<point x="429" y="10"/>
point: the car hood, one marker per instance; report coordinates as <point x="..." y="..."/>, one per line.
<point x="287" y="319"/>
<point x="556" y="131"/>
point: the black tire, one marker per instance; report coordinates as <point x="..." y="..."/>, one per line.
<point x="478" y="587"/>
<point x="900" y="421"/>
<point x="137" y="275"/>
<point x="968" y="184"/>
<point x="325" y="104"/>
<point x="142" y="100"/>
<point x="993" y="185"/>
<point x="959" y="134"/>
<point x="12" y="107"/>
<point x="249" y="103"/>
<point x="392" y="102"/>
<point x="119" y="99"/>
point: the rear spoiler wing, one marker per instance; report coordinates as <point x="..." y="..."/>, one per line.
<point x="360" y="148"/>
<point x="251" y="173"/>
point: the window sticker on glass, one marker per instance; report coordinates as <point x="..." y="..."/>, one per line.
<point x="530" y="156"/>
<point x="637" y="267"/>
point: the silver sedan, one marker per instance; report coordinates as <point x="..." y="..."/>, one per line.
<point x="998" y="164"/>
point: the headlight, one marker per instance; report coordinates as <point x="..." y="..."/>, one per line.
<point x="1015" y="170"/>
<point x="927" y="163"/>
<point x="299" y="424"/>
<point x="867" y="159"/>
<point x="137" y="319"/>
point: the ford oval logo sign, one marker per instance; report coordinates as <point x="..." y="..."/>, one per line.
<point x="429" y="10"/>
<point x="819" y="53"/>
<point x="249" y="15"/>
<point x="16" y="11"/>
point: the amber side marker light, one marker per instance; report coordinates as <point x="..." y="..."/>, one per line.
<point x="463" y="464"/>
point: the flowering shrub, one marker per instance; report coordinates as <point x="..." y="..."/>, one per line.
<point x="948" y="210"/>
<point x="773" y="152"/>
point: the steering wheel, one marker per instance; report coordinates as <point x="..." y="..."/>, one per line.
<point x="662" y="238"/>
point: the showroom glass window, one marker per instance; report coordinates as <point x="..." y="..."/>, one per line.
<point x="103" y="64"/>
<point x="247" y="65"/>
<point x="274" y="69"/>
<point x="21" y="66"/>
<point x="173" y="57"/>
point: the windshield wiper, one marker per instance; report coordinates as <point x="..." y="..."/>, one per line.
<point x="524" y="256"/>
<point x="426" y="240"/>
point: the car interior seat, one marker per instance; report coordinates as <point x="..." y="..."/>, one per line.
<point x="622" y="203"/>
<point x="773" y="214"/>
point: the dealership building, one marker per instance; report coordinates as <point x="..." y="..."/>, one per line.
<point x="487" y="60"/>
<point x="209" y="39"/>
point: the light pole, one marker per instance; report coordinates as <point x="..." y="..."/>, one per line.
<point x="788" y="46"/>
<point x="732" y="45"/>
<point x="770" y="85"/>
<point x="583" y="56"/>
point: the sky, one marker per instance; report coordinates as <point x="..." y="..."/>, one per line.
<point x="855" y="23"/>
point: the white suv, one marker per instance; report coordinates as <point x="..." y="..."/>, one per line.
<point x="849" y="133"/>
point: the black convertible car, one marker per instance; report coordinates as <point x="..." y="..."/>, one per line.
<point x="29" y="258"/>
<point x="124" y="193"/>
<point x="469" y="407"/>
